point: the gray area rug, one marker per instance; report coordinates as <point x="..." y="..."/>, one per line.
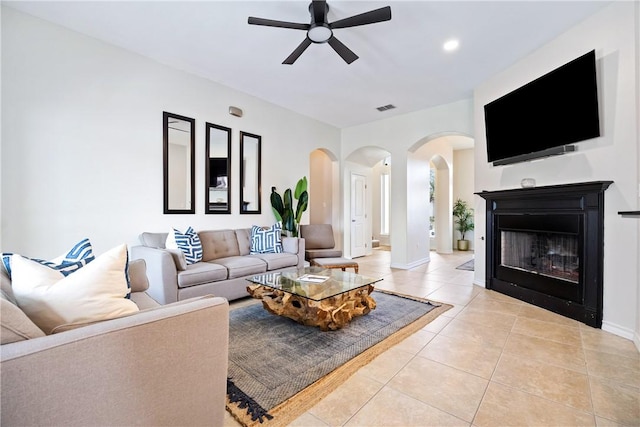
<point x="468" y="266"/>
<point x="272" y="358"/>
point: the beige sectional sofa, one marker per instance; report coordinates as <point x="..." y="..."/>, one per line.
<point x="164" y="365"/>
<point x="226" y="264"/>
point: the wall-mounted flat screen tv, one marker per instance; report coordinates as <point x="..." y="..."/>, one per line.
<point x="218" y="172"/>
<point x="543" y="116"/>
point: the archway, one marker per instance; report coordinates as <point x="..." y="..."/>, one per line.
<point x="438" y="151"/>
<point x="442" y="201"/>
<point x="369" y="163"/>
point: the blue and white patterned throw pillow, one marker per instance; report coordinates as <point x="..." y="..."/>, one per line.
<point x="77" y="257"/>
<point x="188" y="242"/>
<point x="266" y="240"/>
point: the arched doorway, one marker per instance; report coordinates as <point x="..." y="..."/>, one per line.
<point x="441" y="203"/>
<point x="368" y="164"/>
<point x="438" y="153"/>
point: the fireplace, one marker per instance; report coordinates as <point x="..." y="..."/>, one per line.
<point x="545" y="246"/>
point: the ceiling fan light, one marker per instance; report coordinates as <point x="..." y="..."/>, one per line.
<point x="319" y="33"/>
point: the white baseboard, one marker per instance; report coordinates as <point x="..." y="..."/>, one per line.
<point x="620" y="331"/>
<point x="411" y="265"/>
<point x="481" y="283"/>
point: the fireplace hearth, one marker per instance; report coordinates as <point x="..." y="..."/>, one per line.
<point x="545" y="246"/>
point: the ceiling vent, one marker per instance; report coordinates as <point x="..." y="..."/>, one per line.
<point x="386" y="107"/>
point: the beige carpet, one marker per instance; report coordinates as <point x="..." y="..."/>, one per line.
<point x="287" y="411"/>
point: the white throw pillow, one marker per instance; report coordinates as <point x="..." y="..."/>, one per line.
<point x="93" y="293"/>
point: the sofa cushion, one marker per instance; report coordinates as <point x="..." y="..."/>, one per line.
<point x="178" y="258"/>
<point x="188" y="242"/>
<point x="244" y="240"/>
<point x="153" y="240"/>
<point x="15" y="325"/>
<point x="138" y="280"/>
<point x="75" y="258"/>
<point x="95" y="292"/>
<point x="199" y="273"/>
<point x="218" y="244"/>
<point x="277" y="261"/>
<point x="266" y="240"/>
<point x="310" y="254"/>
<point x="239" y="266"/>
<point x="5" y="287"/>
<point x="143" y="300"/>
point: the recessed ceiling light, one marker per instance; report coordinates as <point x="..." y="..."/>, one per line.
<point x="451" y="45"/>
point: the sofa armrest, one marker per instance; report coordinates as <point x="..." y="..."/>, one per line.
<point x="294" y="245"/>
<point x="161" y="272"/>
<point x="164" y="366"/>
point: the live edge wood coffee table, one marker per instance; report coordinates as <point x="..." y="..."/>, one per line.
<point x="315" y="296"/>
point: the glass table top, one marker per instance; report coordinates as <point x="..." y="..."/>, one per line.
<point x="314" y="283"/>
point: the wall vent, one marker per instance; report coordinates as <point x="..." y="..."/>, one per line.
<point x="386" y="107"/>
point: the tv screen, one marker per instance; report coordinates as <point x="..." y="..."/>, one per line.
<point x="558" y="108"/>
<point x="218" y="172"/>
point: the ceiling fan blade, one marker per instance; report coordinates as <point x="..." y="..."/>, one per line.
<point x="342" y="50"/>
<point x="279" y="24"/>
<point x="296" y="53"/>
<point x="371" y="17"/>
<point x="319" y="11"/>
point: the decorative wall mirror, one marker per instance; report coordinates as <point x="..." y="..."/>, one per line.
<point x="250" y="171"/>
<point x="179" y="139"/>
<point x="217" y="170"/>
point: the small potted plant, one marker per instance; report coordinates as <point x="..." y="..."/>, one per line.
<point x="464" y="222"/>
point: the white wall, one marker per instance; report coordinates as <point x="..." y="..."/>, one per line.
<point x="82" y="141"/>
<point x="399" y="135"/>
<point x="636" y="337"/>
<point x="613" y="156"/>
<point x="463" y="187"/>
<point x="418" y="210"/>
<point x="320" y="188"/>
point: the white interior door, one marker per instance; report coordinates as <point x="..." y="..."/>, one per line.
<point x="358" y="215"/>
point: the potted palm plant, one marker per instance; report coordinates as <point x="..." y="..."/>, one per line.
<point x="464" y="222"/>
<point x="283" y="207"/>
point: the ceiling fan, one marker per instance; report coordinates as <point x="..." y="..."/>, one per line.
<point x="321" y="31"/>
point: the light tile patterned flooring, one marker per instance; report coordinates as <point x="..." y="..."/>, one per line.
<point x="489" y="361"/>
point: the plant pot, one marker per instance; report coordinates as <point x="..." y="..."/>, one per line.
<point x="287" y="233"/>
<point x="463" y="245"/>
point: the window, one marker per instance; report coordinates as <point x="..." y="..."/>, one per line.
<point x="384" y="204"/>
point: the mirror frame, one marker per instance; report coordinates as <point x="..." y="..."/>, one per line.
<point x="207" y="179"/>
<point x="165" y="165"/>
<point x="258" y="171"/>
